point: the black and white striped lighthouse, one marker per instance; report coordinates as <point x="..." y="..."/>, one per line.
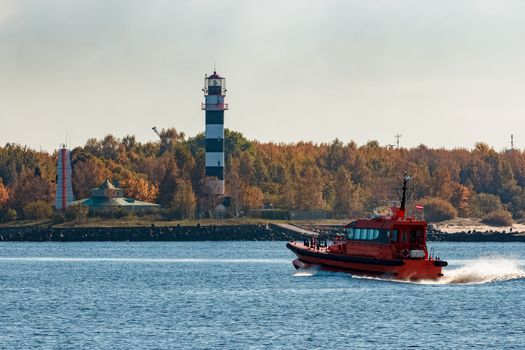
<point x="214" y="93"/>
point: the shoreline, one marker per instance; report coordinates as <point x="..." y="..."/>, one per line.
<point x="230" y="232"/>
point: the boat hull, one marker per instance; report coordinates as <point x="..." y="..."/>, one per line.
<point x="402" y="269"/>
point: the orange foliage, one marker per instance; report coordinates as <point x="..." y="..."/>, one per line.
<point x="88" y="175"/>
<point x="140" y="189"/>
<point x="344" y="178"/>
<point x="28" y="188"/>
<point x="4" y="195"/>
<point x="252" y="198"/>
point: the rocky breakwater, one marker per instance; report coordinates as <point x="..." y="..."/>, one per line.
<point x="152" y="233"/>
<point x="475" y="236"/>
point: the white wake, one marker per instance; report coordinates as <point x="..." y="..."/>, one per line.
<point x="479" y="271"/>
<point x="483" y="271"/>
<point x="306" y="272"/>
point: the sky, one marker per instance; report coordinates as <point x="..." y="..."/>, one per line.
<point x="442" y="73"/>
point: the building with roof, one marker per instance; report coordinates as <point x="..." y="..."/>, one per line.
<point x="107" y="197"/>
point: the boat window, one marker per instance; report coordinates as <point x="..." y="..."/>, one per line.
<point x="394" y="235"/>
<point x="404" y="236"/>
<point x="363" y="234"/>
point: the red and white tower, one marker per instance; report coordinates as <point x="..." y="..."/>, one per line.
<point x="64" y="193"/>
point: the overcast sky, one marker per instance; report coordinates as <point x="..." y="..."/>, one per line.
<point x="440" y="73"/>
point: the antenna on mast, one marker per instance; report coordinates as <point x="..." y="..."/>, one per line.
<point x="398" y="136"/>
<point x="406" y="178"/>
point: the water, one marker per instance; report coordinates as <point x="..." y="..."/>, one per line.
<point x="247" y="295"/>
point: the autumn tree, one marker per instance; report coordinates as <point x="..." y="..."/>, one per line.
<point x="138" y="188"/>
<point x="4" y="195"/>
<point x="252" y="198"/>
<point x="347" y="195"/>
<point x="346" y="178"/>
<point x="498" y="218"/>
<point x="460" y="199"/>
<point x="87" y="175"/>
<point x="155" y="168"/>
<point x="309" y="194"/>
<point x="29" y="187"/>
<point x="184" y="201"/>
<point x="235" y="185"/>
<point x="437" y="209"/>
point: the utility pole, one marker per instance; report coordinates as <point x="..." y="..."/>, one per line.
<point x="398" y="136"/>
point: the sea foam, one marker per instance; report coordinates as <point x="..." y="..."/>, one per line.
<point x="483" y="270"/>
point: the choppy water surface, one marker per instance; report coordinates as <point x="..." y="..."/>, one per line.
<point x="243" y="295"/>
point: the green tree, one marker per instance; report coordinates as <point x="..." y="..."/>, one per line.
<point x="10" y="215"/>
<point x="76" y="212"/>
<point x="483" y="204"/>
<point x="184" y="201"/>
<point x="168" y="185"/>
<point x="38" y="210"/>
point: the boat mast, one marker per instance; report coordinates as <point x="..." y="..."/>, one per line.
<point x="406" y="178"/>
<point x="404" y="188"/>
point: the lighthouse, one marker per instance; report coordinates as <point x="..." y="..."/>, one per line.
<point x="64" y="192"/>
<point x="214" y="107"/>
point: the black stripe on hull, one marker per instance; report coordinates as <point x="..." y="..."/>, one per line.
<point x="214" y="145"/>
<point x="335" y="268"/>
<point x="214" y="117"/>
<point x="215" y="171"/>
<point x="343" y="258"/>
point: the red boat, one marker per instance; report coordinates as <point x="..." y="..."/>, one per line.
<point x="387" y="247"/>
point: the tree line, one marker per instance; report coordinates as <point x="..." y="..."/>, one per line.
<point x="344" y="179"/>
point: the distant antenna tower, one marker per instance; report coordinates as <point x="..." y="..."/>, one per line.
<point x="398" y="136"/>
<point x="64" y="192"/>
<point x="512" y="142"/>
